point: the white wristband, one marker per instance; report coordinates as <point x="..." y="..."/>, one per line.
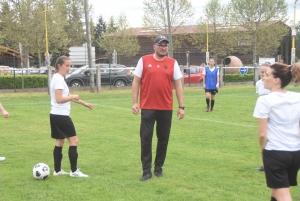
<point x="217" y="85"/>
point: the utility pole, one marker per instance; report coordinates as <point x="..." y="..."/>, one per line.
<point x="47" y="56"/>
<point x="170" y="52"/>
<point x="293" y="52"/>
<point x="88" y="38"/>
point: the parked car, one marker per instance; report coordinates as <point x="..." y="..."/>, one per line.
<point x="118" y="76"/>
<point x="44" y="69"/>
<point x="193" y="74"/>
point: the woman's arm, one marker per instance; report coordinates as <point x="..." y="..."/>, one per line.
<point x="88" y="105"/>
<point x="262" y="133"/>
<point x="62" y="99"/>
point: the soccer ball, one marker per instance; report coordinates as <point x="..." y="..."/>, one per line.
<point x="40" y="171"/>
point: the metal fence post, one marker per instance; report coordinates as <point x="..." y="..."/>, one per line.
<point x="221" y="76"/>
<point x="98" y="79"/>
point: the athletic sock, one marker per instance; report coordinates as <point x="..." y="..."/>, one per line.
<point x="212" y="104"/>
<point x="57" y="155"/>
<point x="73" y="155"/>
<point x="207" y="102"/>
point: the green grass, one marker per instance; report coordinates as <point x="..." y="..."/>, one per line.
<point x="211" y="156"/>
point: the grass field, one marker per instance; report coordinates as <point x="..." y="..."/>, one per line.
<point x="211" y="156"/>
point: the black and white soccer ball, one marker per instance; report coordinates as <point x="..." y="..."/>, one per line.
<point x="41" y="171"/>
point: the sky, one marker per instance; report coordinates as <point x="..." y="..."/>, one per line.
<point x="133" y="9"/>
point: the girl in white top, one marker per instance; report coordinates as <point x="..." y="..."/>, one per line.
<point x="61" y="124"/>
<point x="260" y="88"/>
<point x="278" y="120"/>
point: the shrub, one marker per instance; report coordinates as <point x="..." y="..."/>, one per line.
<point x="237" y="77"/>
<point x="30" y="81"/>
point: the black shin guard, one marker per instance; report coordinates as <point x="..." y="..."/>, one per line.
<point x="273" y="199"/>
<point x="207" y="101"/>
<point x="212" y="104"/>
<point x="57" y="155"/>
<point x="73" y="155"/>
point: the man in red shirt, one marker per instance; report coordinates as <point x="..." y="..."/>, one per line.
<point x="153" y="79"/>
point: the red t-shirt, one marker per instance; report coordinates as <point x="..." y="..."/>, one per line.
<point x="156" y="83"/>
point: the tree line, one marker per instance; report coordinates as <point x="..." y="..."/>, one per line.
<point x="246" y="26"/>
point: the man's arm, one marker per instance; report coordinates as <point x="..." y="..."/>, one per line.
<point x="135" y="94"/>
<point x="179" y="94"/>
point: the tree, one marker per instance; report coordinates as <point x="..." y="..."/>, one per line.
<point x="256" y="16"/>
<point x="298" y="40"/>
<point x="215" y="27"/>
<point x="27" y="19"/>
<point x="123" y="40"/>
<point x="155" y="17"/>
<point x="99" y="30"/>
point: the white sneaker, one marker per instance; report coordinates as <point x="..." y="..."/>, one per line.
<point x="77" y="173"/>
<point x="2" y="158"/>
<point x="61" y="172"/>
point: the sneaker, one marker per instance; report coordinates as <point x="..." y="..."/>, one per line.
<point x="2" y="158"/>
<point x="158" y="173"/>
<point x="146" y="176"/>
<point x="211" y="110"/>
<point x="77" y="173"/>
<point x="207" y="109"/>
<point x="260" y="168"/>
<point x="61" y="172"/>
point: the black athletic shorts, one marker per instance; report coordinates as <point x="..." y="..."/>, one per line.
<point x="61" y="126"/>
<point x="281" y="168"/>
<point x="212" y="91"/>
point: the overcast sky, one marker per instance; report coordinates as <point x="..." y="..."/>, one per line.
<point x="133" y="9"/>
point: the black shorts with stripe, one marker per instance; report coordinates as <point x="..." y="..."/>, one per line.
<point x="281" y="168"/>
<point x="212" y="91"/>
<point x="61" y="126"/>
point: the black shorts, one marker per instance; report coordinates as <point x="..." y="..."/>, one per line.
<point x="281" y="168"/>
<point x="212" y="91"/>
<point x="61" y="126"/>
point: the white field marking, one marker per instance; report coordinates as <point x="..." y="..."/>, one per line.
<point x="193" y="118"/>
<point x="222" y="122"/>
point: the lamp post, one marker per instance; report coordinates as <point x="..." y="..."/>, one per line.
<point x="207" y="52"/>
<point x="293" y="52"/>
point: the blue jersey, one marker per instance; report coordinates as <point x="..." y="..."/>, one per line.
<point x="211" y="78"/>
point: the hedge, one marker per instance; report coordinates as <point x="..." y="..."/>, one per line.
<point x="237" y="78"/>
<point x="40" y="81"/>
<point x="30" y="81"/>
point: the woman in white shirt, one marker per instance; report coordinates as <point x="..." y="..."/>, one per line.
<point x="278" y="120"/>
<point x="61" y="124"/>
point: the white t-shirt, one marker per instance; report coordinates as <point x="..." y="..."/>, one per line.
<point x="139" y="70"/>
<point x="260" y="88"/>
<point x="58" y="82"/>
<point x="283" y="113"/>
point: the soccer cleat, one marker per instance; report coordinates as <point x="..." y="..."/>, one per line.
<point x="77" y="173"/>
<point x="2" y="158"/>
<point x="207" y="109"/>
<point x="260" y="169"/>
<point x="211" y="110"/>
<point x="61" y="172"/>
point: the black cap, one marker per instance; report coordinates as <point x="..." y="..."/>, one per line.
<point x="160" y="39"/>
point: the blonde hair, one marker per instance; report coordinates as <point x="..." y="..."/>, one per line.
<point x="60" y="61"/>
<point x="296" y="73"/>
